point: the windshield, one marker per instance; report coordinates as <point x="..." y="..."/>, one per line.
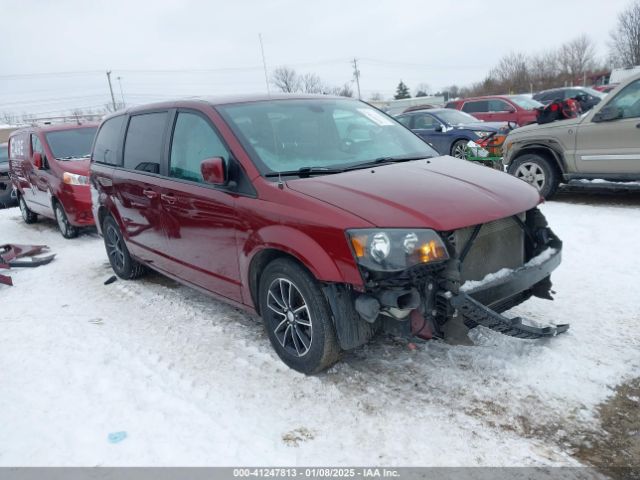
<point x="71" y="144"/>
<point x="526" y="102"/>
<point x="4" y="154"/>
<point x="593" y="92"/>
<point x="455" y="117"/>
<point x="287" y="135"/>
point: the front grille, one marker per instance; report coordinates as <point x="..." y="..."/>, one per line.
<point x="500" y="244"/>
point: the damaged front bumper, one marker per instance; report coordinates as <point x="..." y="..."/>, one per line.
<point x="481" y="304"/>
<point x="428" y="301"/>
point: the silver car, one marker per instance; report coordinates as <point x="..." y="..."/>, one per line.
<point x="603" y="143"/>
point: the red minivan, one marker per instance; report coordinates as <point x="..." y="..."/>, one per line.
<point x="519" y="109"/>
<point x="49" y="168"/>
<point x="324" y="216"/>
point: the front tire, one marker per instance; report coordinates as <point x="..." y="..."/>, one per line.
<point x="27" y="215"/>
<point x="66" y="229"/>
<point x="297" y="317"/>
<point x="537" y="171"/>
<point x="120" y="259"/>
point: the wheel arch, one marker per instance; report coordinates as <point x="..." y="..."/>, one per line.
<point x="318" y="257"/>
<point x="547" y="151"/>
<point x="454" y="141"/>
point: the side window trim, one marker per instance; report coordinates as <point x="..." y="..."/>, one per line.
<point x="163" y="160"/>
<point x="120" y="148"/>
<point x="232" y="159"/>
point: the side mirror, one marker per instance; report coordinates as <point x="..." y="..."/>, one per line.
<point x="438" y="128"/>
<point x="510" y="109"/>
<point x="37" y="160"/>
<point x="214" y="171"/>
<point x="608" y="113"/>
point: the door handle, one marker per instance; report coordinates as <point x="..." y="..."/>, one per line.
<point x="169" y="198"/>
<point x="150" y="193"/>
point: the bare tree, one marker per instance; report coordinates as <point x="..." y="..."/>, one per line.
<point x="376" y="97"/>
<point x="511" y="73"/>
<point x="576" y="58"/>
<point x="9" y="118"/>
<point x="312" y="83"/>
<point x="625" y="38"/>
<point x="343" y="91"/>
<point x="286" y="80"/>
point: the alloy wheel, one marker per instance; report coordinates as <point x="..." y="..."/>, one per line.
<point x="460" y="150"/>
<point x="290" y="313"/>
<point x="61" y="218"/>
<point x="114" y="248"/>
<point x="23" y="210"/>
<point x="532" y="173"/>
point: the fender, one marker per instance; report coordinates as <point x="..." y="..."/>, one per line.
<point x="292" y="242"/>
<point x="552" y="147"/>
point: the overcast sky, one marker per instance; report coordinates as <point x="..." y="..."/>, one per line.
<point x="162" y="49"/>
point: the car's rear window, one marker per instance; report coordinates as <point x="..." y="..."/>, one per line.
<point x="71" y="144"/>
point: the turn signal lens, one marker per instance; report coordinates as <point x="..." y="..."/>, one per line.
<point x="432" y="251"/>
<point x="359" y="244"/>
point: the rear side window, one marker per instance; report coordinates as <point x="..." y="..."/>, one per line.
<point x="108" y="141"/>
<point x="4" y="154"/>
<point x="498" y="106"/>
<point x="480" y="106"/>
<point x="144" y="144"/>
<point x="194" y="140"/>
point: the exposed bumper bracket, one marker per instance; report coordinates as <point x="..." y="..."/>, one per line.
<point x="475" y="313"/>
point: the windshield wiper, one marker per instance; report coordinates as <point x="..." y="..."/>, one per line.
<point x="305" y="172"/>
<point x="383" y="160"/>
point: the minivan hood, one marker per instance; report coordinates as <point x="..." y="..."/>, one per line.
<point x="443" y="193"/>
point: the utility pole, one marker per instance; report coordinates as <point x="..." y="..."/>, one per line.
<point x="356" y="74"/>
<point x="264" y="65"/>
<point x="113" y="99"/>
<point x="121" y="92"/>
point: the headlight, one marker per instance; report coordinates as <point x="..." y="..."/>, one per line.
<point x="74" y="179"/>
<point x="481" y="133"/>
<point x="396" y="249"/>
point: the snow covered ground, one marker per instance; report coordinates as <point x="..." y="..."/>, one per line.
<point x="195" y="382"/>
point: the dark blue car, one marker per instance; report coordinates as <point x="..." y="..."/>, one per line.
<point x="446" y="129"/>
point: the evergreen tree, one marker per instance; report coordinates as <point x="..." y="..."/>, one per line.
<point x="402" y="91"/>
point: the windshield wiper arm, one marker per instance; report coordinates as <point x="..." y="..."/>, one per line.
<point x="305" y="172"/>
<point x="382" y="160"/>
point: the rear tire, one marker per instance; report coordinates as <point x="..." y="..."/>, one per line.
<point x="459" y="149"/>
<point x="27" y="215"/>
<point x="66" y="229"/>
<point x="120" y="259"/>
<point x="538" y="172"/>
<point x="297" y="317"/>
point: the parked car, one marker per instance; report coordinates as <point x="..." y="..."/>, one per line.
<point x="602" y="144"/>
<point x="587" y="97"/>
<point x="321" y="214"/>
<point x="519" y="109"/>
<point x="606" y="88"/>
<point x="6" y="189"/>
<point x="49" y="169"/>
<point x="448" y="130"/>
